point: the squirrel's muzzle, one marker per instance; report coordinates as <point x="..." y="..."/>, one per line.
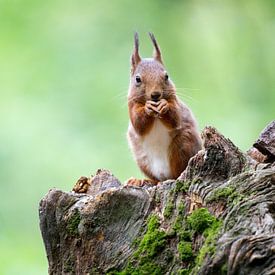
<point x="155" y="96"/>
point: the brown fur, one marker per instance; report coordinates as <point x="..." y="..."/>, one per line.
<point x="140" y="120"/>
<point x="173" y="114"/>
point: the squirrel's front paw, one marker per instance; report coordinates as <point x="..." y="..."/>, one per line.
<point x="163" y="107"/>
<point x="151" y="108"/>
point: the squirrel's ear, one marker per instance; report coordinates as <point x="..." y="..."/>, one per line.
<point x="135" y="59"/>
<point x="157" y="53"/>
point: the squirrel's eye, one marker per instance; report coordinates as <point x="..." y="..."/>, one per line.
<point x="138" y="79"/>
<point x="166" y="77"/>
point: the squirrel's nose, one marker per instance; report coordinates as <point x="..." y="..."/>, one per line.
<point x="155" y="96"/>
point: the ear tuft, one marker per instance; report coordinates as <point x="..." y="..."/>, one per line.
<point x="157" y="52"/>
<point x="135" y="59"/>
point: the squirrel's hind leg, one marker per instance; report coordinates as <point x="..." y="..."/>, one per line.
<point x="140" y="182"/>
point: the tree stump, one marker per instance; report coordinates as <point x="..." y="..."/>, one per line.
<point x="216" y="218"/>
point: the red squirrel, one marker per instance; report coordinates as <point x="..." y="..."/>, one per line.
<point x="162" y="131"/>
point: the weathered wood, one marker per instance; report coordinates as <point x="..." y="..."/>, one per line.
<point x="266" y="142"/>
<point x="217" y="218"/>
<point x="219" y="160"/>
<point x="83" y="233"/>
<point x="102" y="181"/>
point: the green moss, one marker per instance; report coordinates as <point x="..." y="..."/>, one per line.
<point x="144" y="269"/>
<point x="181" y="208"/>
<point x="143" y="260"/>
<point x="136" y="242"/>
<point x="150" y="255"/>
<point x="185" y="235"/>
<point x="185" y="250"/>
<point x="153" y="240"/>
<point x="147" y="268"/>
<point x="94" y="271"/>
<point x="157" y="198"/>
<point x="200" y="220"/>
<point x="168" y="210"/>
<point x="229" y="194"/>
<point x="69" y="265"/>
<point x="182" y="186"/>
<point x="176" y="225"/>
<point x="170" y="204"/>
<point x="236" y="197"/>
<point x="221" y="193"/>
<point x="208" y="247"/>
<point x="172" y="192"/>
<point x="179" y="227"/>
<point x="224" y="269"/>
<point x="183" y="271"/>
<point x="72" y="223"/>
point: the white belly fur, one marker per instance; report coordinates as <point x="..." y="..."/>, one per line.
<point x="155" y="149"/>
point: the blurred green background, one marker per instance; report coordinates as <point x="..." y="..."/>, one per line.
<point x="64" y="69"/>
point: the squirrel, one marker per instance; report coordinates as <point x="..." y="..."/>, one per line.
<point x="162" y="132"/>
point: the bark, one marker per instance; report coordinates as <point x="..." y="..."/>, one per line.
<point x="266" y="142"/>
<point x="216" y="218"/>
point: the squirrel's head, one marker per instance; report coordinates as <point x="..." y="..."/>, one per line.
<point x="149" y="78"/>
